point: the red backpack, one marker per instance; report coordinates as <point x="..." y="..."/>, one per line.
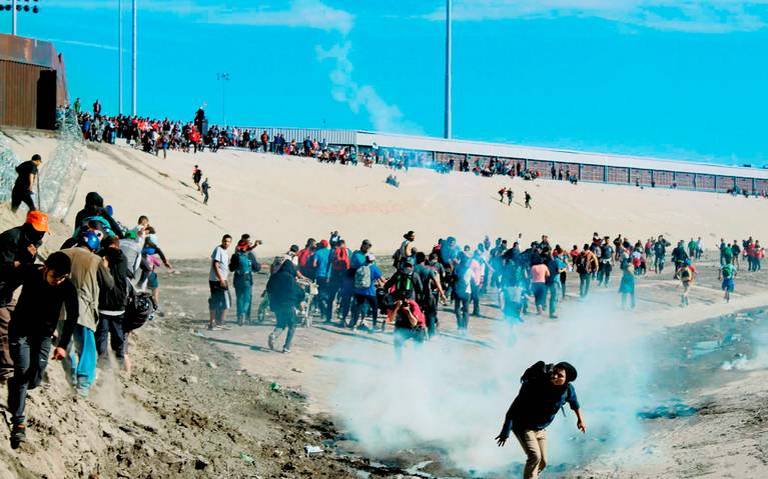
<point x="340" y="260"/>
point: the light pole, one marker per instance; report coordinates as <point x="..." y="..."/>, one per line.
<point x="224" y="78"/>
<point x="133" y="67"/>
<point x="14" y="8"/>
<point x="448" y="60"/>
<point x="120" y="56"/>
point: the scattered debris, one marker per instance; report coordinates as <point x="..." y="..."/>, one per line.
<point x="669" y="412"/>
<point x="190" y="379"/>
<point x="309" y="450"/>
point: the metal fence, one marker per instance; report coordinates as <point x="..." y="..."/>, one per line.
<point x="332" y="137"/>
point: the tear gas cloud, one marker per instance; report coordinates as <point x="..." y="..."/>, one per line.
<point x="452" y="394"/>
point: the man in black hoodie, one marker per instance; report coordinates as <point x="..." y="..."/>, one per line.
<point x="284" y="295"/>
<point x="18" y="248"/>
<point x="112" y="301"/>
<point x="545" y="390"/>
<point x="45" y="290"/>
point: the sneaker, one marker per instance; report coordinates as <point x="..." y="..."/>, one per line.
<point x="18" y="435"/>
<point x="271" y="342"/>
<point x="286" y="350"/>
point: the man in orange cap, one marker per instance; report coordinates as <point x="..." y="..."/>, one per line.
<point x="18" y="247"/>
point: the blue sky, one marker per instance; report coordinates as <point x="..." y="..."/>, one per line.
<point x="682" y="79"/>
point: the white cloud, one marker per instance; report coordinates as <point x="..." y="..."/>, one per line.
<point x="301" y="13"/>
<point x="699" y="16"/>
<point x="384" y="117"/>
<point x="313" y="14"/>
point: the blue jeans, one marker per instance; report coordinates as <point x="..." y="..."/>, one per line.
<point x="244" y="295"/>
<point x="584" y="280"/>
<point x="30" y="358"/>
<point x="554" y="295"/>
<point x="82" y="358"/>
<point x="461" y="309"/>
<point x="361" y="305"/>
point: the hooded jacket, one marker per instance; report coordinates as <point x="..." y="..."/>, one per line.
<point x="116" y="297"/>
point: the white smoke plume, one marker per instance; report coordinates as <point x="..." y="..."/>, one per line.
<point x="453" y="394"/>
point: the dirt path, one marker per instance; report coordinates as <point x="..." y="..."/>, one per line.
<point x="324" y="357"/>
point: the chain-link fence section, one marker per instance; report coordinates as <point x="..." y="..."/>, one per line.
<point x="8" y="164"/>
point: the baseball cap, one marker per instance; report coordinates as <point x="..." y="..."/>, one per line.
<point x="38" y="220"/>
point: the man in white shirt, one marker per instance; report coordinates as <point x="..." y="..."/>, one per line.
<point x="219" y="302"/>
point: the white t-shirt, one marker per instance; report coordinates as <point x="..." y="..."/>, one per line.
<point x="222" y="262"/>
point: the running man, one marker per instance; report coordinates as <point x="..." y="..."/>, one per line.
<point x="687" y="275"/>
<point x="545" y="390"/>
<point x="727" y="273"/>
<point x="528" y="200"/>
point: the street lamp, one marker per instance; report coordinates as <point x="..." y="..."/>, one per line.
<point x="448" y="61"/>
<point x="133" y="57"/>
<point x="16" y="6"/>
<point x="224" y="78"/>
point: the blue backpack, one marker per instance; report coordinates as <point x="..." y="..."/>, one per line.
<point x="241" y="264"/>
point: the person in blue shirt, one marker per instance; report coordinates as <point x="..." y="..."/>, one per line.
<point x="545" y="390"/>
<point x="321" y="263"/>
<point x="365" y="277"/>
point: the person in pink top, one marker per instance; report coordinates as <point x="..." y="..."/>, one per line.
<point x="539" y="274"/>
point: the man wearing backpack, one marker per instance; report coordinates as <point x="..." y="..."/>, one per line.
<point x="544" y="391"/>
<point x="89" y="273"/>
<point x="243" y="264"/>
<point x="366" y="276"/>
<point x="586" y="265"/>
<point x="429" y="290"/>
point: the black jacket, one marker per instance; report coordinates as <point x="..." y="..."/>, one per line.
<point x="282" y="288"/>
<point x="13" y="247"/>
<point x="116" y="297"/>
<point x="37" y="312"/>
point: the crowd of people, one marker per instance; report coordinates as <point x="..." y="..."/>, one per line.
<point x="523" y="279"/>
<point x="96" y="289"/>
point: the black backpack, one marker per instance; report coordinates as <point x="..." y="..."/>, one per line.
<point x="141" y="308"/>
<point x="536" y="373"/>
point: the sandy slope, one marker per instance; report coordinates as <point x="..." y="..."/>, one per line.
<point x="284" y="200"/>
